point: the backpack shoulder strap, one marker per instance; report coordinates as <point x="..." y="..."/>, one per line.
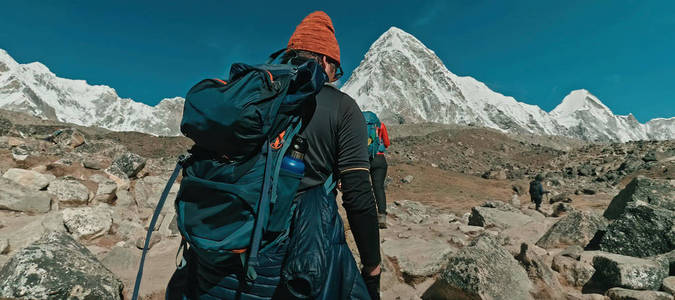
<point x="160" y="204"/>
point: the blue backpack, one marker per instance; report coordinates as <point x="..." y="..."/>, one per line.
<point x="375" y="144"/>
<point x="234" y="192"/>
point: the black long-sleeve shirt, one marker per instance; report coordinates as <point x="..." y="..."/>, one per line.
<point x="338" y="144"/>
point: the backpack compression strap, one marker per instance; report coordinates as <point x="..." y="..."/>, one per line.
<point x="268" y="196"/>
<point x="151" y="228"/>
<point x="263" y="207"/>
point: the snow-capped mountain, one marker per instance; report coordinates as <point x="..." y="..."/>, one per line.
<point x="399" y="78"/>
<point x="585" y="116"/>
<point x="33" y="89"/>
<point x="402" y="80"/>
<point x="661" y="128"/>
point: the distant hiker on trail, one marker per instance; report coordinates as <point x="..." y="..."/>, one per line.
<point x="378" y="142"/>
<point x="537" y="190"/>
<point x="257" y="203"/>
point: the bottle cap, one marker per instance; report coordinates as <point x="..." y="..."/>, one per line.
<point x="299" y="144"/>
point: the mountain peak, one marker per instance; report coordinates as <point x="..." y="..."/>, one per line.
<point x="577" y="100"/>
<point x="396" y="39"/>
<point x="39" y="68"/>
<point x="393" y="30"/>
<point x="6" y="60"/>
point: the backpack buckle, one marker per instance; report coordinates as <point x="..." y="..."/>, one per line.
<point x="183" y="158"/>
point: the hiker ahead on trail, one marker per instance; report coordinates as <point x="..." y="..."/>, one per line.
<point x="378" y="142"/>
<point x="537" y="190"/>
<point x="256" y="206"/>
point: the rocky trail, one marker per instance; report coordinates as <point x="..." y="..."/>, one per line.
<point x="75" y="204"/>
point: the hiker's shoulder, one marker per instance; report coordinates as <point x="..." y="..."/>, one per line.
<point x="344" y="104"/>
<point x="332" y="92"/>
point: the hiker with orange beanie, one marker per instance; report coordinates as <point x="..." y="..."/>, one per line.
<point x="308" y="259"/>
<point x="338" y="142"/>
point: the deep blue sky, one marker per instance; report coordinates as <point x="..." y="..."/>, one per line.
<point x="536" y="51"/>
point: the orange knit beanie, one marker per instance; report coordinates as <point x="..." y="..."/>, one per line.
<point x="316" y="34"/>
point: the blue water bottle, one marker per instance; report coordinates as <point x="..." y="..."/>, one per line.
<point x="293" y="160"/>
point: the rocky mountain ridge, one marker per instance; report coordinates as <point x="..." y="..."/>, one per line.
<point x="399" y="78"/>
<point x="32" y="88"/>
<point x="404" y="81"/>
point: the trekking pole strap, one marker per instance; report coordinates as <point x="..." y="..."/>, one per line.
<point x="153" y="222"/>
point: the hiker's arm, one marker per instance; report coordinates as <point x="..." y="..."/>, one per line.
<point x="357" y="199"/>
<point x="357" y="193"/>
<point x="384" y="135"/>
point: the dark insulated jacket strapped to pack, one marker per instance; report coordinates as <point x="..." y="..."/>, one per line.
<point x="318" y="264"/>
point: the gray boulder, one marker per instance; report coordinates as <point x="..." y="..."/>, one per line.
<point x="27" y="234"/>
<point x="546" y="284"/>
<point x="413" y="212"/>
<point x="626" y="294"/>
<point x="643" y="230"/>
<point x="669" y="258"/>
<point x="69" y="191"/>
<point x="418" y="258"/>
<point x="16" y="197"/>
<point x="668" y="285"/>
<point x="630" y="165"/>
<point x="29" y="178"/>
<point x="106" y="191"/>
<point x="590" y="297"/>
<point x="140" y="241"/>
<point x="4" y="246"/>
<point x="21" y="153"/>
<point x="408" y="179"/>
<point x="128" y="229"/>
<point x="650" y="156"/>
<point x="616" y="270"/>
<point x="576" y="228"/>
<point x="573" y="272"/>
<point x="562" y="197"/>
<point x="148" y="190"/>
<point x="57" y="267"/>
<point x="129" y="164"/>
<point x="498" y="214"/>
<point x="70" y="137"/>
<point x="53" y="221"/>
<point x="169" y="225"/>
<point x="561" y="209"/>
<point x="498" y="173"/>
<point x="92" y="163"/>
<point x="574" y="252"/>
<point x="123" y="198"/>
<point x="586" y="170"/>
<point x="483" y="270"/>
<point x="121" y="259"/>
<point x="87" y="222"/>
<point x="515" y="201"/>
<point x="660" y="193"/>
